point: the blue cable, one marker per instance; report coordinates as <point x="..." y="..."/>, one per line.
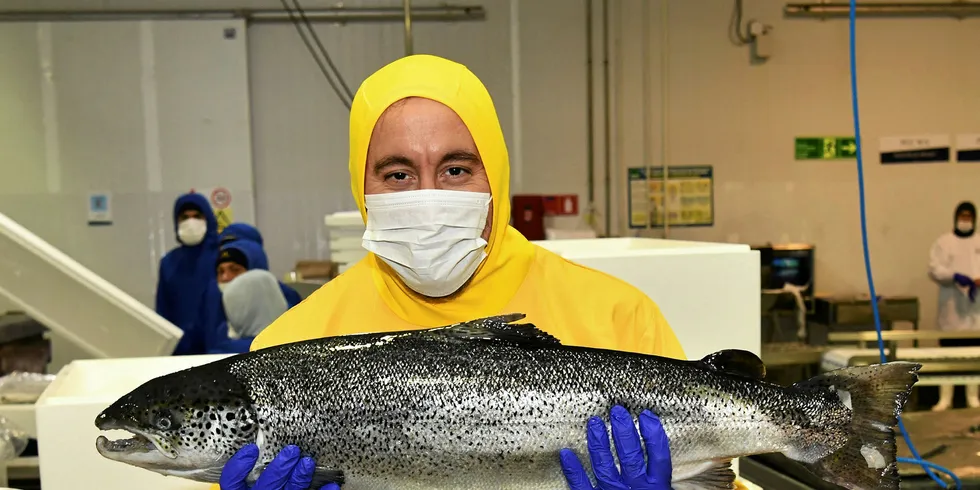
<point x="933" y="466"/>
<point x="927" y="466"/>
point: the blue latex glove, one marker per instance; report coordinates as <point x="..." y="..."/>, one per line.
<point x="288" y="471"/>
<point x="962" y="280"/>
<point x="638" y="473"/>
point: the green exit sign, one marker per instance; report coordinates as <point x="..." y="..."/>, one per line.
<point x="825" y="148"/>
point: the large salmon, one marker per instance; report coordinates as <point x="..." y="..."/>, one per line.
<point x="488" y="404"/>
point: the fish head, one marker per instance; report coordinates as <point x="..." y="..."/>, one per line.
<point x="182" y="425"/>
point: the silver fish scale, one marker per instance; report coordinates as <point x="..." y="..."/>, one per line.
<point x="437" y="412"/>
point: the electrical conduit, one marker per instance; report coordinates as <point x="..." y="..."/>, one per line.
<point x="664" y="108"/>
<point x="917" y="459"/>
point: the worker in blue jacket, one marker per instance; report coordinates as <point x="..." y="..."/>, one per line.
<point x="235" y="258"/>
<point x="245" y="231"/>
<point x="187" y="271"/>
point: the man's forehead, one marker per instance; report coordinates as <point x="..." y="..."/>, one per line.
<point x="418" y="124"/>
<point x="413" y="107"/>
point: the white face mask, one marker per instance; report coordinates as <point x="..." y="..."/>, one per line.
<point x="431" y="238"/>
<point x="223" y="285"/>
<point x="964" y="226"/>
<point x="232" y="332"/>
<point x="191" y="231"/>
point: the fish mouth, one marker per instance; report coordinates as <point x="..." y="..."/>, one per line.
<point x="142" y="443"/>
<point x="135" y="444"/>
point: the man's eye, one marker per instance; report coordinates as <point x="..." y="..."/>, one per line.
<point x="398" y="175"/>
<point x="457" y="171"/>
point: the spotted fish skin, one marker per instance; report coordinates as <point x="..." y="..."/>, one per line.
<point x="488" y="405"/>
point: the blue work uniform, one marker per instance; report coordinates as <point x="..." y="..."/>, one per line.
<point x="185" y="274"/>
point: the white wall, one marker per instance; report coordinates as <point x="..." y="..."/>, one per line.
<point x="917" y="75"/>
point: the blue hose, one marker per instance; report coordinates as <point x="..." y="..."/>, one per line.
<point x="927" y="466"/>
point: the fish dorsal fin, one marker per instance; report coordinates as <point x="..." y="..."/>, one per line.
<point x="738" y="362"/>
<point x="499" y="328"/>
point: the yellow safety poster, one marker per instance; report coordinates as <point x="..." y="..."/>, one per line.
<point x="225" y="217"/>
<point x="220" y="198"/>
<point x="689" y="198"/>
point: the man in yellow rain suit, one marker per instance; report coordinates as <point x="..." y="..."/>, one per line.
<point x="430" y="174"/>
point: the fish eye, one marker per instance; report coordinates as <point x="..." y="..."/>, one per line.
<point x="163" y="422"/>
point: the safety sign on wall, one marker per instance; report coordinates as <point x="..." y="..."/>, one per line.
<point x="220" y="198"/>
<point x="99" y="209"/>
<point x="688" y="201"/>
<point x="968" y="148"/>
<point x="826" y="148"/>
<point x="923" y="148"/>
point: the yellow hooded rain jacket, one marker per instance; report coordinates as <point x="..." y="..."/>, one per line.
<point x="577" y="305"/>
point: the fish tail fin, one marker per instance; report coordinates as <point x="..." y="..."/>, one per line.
<point x="876" y="396"/>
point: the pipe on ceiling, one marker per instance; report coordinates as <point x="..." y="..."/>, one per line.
<point x="606" y="119"/>
<point x="337" y="15"/>
<point x="958" y="10"/>
<point x="407" y="14"/>
<point x="589" y="117"/>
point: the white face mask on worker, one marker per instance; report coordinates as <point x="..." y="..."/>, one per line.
<point x="191" y="231"/>
<point x="964" y="226"/>
<point x="432" y="238"/>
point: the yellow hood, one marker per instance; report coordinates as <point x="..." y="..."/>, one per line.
<point x="509" y="254"/>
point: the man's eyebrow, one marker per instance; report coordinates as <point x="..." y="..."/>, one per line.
<point x="460" y="156"/>
<point x="391" y="161"/>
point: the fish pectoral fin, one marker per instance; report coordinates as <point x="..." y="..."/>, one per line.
<point x="716" y="475"/>
<point x="497" y="329"/>
<point x="737" y="362"/>
<point x="211" y="474"/>
<point x="323" y="475"/>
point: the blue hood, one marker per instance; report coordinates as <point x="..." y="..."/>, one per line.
<point x="186" y="273"/>
<point x="241" y="231"/>
<point x="200" y="203"/>
<point x="257" y="259"/>
<point x="253" y="252"/>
